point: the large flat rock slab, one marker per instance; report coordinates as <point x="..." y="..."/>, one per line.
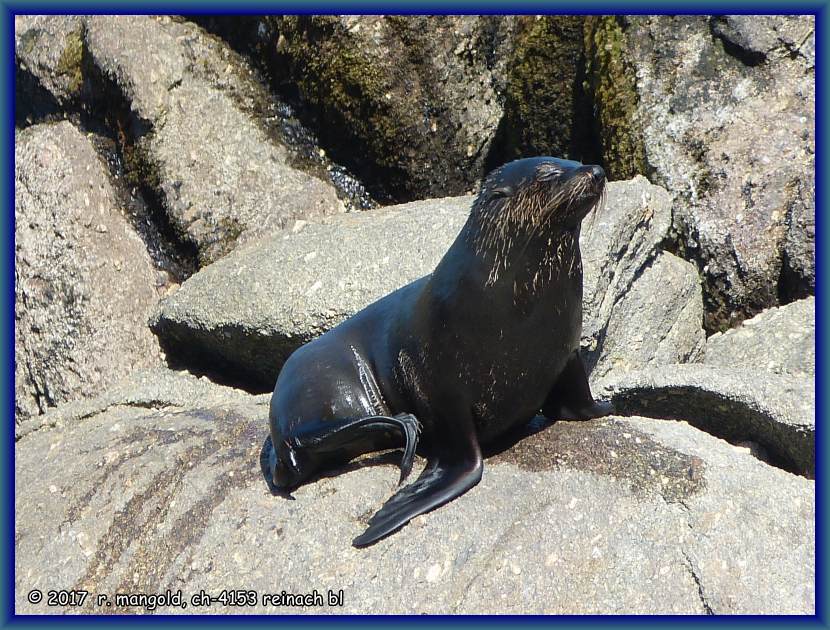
<point x="246" y="313"/>
<point x="250" y="310"/>
<point x="607" y="516"/>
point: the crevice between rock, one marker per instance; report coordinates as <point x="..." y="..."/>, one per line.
<point x="790" y="447"/>
<point x="136" y="178"/>
<point x="696" y="578"/>
<point x="103" y="111"/>
<point x="278" y="117"/>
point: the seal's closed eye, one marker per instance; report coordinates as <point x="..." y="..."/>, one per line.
<point x="504" y="191"/>
<point x="548" y="171"/>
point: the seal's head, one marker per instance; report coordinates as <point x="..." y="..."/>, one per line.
<point x="538" y="190"/>
<point x="530" y="206"/>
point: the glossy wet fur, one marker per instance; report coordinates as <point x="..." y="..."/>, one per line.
<point x="463" y="355"/>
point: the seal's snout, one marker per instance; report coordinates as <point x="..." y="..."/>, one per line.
<point x="593" y="177"/>
<point x="596" y="172"/>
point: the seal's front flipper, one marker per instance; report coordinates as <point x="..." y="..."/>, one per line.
<point x="570" y="397"/>
<point x="445" y="478"/>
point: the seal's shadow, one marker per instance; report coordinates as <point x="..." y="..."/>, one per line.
<point x="514" y="436"/>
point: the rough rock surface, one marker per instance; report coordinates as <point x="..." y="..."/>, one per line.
<point x="798" y="270"/>
<point x="777" y="411"/>
<point x="250" y="310"/>
<point x="49" y="52"/>
<point x="628" y="275"/>
<point x="608" y="516"/>
<point x="194" y="124"/>
<point x="658" y="321"/>
<point x="436" y="100"/>
<point x="154" y="482"/>
<point x="84" y="283"/>
<point x="219" y="173"/>
<point x="149" y="388"/>
<point x="720" y="111"/>
<point x="420" y="94"/>
<point x="780" y="339"/>
<point x="427" y="104"/>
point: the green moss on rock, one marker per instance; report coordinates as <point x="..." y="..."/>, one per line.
<point x="375" y="91"/>
<point x="542" y="88"/>
<point x="611" y="83"/>
<point x="351" y="95"/>
<point x="139" y="169"/>
<point x="70" y="63"/>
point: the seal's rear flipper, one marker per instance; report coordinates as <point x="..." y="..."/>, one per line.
<point x="443" y="479"/>
<point x="328" y="436"/>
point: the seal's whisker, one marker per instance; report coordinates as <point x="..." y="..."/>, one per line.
<point x="596" y="209"/>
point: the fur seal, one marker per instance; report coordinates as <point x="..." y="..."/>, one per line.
<point x="456" y="358"/>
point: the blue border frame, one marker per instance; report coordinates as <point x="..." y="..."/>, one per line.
<point x="6" y="323"/>
<point x="822" y="382"/>
<point x="454" y="7"/>
<point x="449" y="7"/>
<point x="7" y="12"/>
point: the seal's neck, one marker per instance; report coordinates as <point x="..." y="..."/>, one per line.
<point x="516" y="248"/>
<point x="552" y="261"/>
